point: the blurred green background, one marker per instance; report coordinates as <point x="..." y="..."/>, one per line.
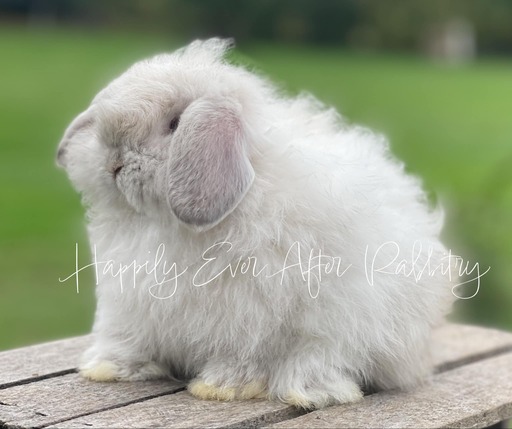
<point x="434" y="76"/>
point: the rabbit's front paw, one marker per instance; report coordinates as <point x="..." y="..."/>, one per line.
<point x="102" y="371"/>
<point x="106" y="370"/>
<point x="316" y="398"/>
<point x="202" y="390"/>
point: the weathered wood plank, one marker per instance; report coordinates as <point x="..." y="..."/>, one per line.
<point x="60" y="398"/>
<point x="183" y="411"/>
<point x="474" y="395"/>
<point x="36" y="362"/>
<point x="455" y="345"/>
<point x="66" y="398"/>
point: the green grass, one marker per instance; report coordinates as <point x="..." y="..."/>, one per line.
<point x="450" y="125"/>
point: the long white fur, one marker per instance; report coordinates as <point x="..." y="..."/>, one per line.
<point x="316" y="181"/>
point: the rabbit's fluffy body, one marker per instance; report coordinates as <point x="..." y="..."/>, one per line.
<point x="305" y="180"/>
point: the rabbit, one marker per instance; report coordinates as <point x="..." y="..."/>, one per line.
<point x="265" y="247"/>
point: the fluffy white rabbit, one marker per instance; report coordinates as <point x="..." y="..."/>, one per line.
<point x="252" y="244"/>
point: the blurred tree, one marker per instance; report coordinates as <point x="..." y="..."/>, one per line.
<point x="326" y="21"/>
<point x="385" y="24"/>
<point x="402" y="24"/>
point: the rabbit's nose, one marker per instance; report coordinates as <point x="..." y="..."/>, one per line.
<point x="116" y="170"/>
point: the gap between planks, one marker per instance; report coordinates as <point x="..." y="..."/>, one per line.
<point x="58" y="399"/>
<point x="42" y="361"/>
<point x="113" y="407"/>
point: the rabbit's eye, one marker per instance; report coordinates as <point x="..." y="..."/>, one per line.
<point x="174" y="124"/>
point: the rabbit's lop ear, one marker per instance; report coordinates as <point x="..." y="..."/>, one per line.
<point x="78" y="129"/>
<point x="209" y="169"/>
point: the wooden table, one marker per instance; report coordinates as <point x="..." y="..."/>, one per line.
<point x="39" y="387"/>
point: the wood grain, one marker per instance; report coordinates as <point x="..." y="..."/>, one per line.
<point x="455" y="345"/>
<point x="40" y="361"/>
<point x="60" y="398"/>
<point x="183" y="411"/>
<point x="474" y="395"/>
